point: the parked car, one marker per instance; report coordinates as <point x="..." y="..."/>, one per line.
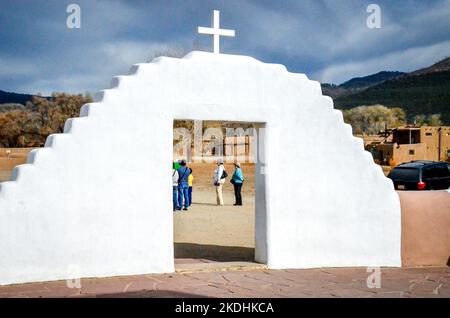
<point x="421" y="175"/>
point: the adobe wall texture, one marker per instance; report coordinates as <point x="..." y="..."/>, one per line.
<point x="425" y="228"/>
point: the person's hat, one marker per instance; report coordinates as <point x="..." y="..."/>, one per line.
<point x="183" y="162"/>
<point x="220" y="161"/>
<point x="238" y="164"/>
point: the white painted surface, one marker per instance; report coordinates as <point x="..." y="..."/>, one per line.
<point x="84" y="202"/>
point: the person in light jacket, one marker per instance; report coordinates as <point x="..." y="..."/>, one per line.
<point x="175" y="177"/>
<point x="218" y="180"/>
<point x="237" y="180"/>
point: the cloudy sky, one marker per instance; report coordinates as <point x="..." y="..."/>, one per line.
<point x="327" y="40"/>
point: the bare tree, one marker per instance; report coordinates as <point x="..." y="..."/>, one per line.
<point x="373" y="119"/>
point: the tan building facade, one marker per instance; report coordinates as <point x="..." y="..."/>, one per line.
<point x="437" y="140"/>
<point x="412" y="143"/>
<point x="230" y="148"/>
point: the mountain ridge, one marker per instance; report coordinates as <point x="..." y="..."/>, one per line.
<point x="14" y="98"/>
<point x="422" y="92"/>
<point x="357" y="84"/>
<point x="370" y="80"/>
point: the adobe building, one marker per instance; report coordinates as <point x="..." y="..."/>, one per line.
<point x="231" y="148"/>
<point x="412" y="143"/>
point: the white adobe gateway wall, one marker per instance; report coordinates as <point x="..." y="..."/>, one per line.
<point x="96" y="201"/>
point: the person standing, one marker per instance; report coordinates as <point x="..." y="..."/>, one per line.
<point x="175" y="177"/>
<point x="219" y="179"/>
<point x="190" y="183"/>
<point x="237" y="180"/>
<point x="183" y="187"/>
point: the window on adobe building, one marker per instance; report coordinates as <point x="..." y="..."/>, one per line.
<point x="411" y="152"/>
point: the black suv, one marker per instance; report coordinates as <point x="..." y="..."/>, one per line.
<point x="421" y="175"/>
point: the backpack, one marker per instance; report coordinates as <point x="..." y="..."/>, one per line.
<point x="224" y="174"/>
<point x="181" y="177"/>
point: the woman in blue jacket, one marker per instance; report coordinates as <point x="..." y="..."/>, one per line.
<point x="237" y="180"/>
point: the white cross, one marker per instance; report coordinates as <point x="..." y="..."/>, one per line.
<point x="215" y="31"/>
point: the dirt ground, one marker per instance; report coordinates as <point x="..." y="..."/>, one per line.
<point x="212" y="232"/>
<point x="221" y="233"/>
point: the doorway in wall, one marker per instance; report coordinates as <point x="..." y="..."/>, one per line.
<point x="208" y="232"/>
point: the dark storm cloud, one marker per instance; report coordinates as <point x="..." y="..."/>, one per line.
<point x="327" y="40"/>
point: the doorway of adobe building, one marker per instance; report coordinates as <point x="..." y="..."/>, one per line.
<point x="207" y="233"/>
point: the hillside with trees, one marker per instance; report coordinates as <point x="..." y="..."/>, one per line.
<point x="14" y="98"/>
<point x="358" y="84"/>
<point x="421" y="93"/>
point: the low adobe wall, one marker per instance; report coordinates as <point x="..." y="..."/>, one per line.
<point x="425" y="228"/>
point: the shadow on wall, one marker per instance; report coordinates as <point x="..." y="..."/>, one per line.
<point x="214" y="252"/>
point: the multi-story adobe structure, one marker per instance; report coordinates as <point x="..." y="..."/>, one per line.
<point x="411" y="143"/>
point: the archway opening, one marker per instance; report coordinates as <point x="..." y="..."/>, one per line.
<point x="212" y="230"/>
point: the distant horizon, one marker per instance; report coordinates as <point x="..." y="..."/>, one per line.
<point x="331" y="42"/>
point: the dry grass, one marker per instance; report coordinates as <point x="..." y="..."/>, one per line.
<point x="17" y="157"/>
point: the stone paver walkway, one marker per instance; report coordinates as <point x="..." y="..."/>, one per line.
<point x="330" y="282"/>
